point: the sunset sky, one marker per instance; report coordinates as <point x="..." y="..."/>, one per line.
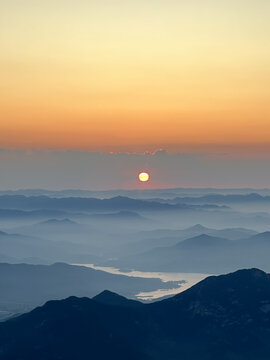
<point x="135" y="75"/>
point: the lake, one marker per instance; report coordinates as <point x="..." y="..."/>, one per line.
<point x="189" y="279"/>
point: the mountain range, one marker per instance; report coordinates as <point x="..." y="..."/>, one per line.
<point x="202" y="254"/>
<point x="74" y="204"/>
<point x="223" y="317"/>
<point x="27" y="248"/>
<point x="24" y="286"/>
<point x="147" y="240"/>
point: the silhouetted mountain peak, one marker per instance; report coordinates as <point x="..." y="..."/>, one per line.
<point x="201" y="240"/>
<point x="110" y="298"/>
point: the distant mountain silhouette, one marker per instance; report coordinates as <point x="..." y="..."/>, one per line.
<point x="167" y="237"/>
<point x="32" y="214"/>
<point x="75" y="204"/>
<point x="225" y="317"/>
<point x="65" y="221"/>
<point x="32" y="285"/>
<point x="169" y="193"/>
<point x="201" y="240"/>
<point x="198" y="229"/>
<point x="222" y="199"/>
<point x="22" y="247"/>
<point x="261" y="238"/>
<point x="203" y="254"/>
<point x="45" y="228"/>
<point x="121" y="215"/>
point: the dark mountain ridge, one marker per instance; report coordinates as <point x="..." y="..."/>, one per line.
<point x="222" y="317"/>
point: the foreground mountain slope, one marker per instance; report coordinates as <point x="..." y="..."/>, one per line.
<point x="75" y="328"/>
<point x="225" y="317"/>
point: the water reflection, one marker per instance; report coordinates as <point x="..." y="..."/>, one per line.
<point x="186" y="280"/>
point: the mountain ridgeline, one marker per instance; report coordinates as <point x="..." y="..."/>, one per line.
<point x="25" y="286"/>
<point x="202" y="253"/>
<point x="223" y="317"/>
<point x="85" y="314"/>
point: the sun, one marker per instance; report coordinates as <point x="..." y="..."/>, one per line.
<point x="144" y="176"/>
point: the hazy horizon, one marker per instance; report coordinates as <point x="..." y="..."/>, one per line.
<point x="57" y="170"/>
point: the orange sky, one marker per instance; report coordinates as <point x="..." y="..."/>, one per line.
<point x="134" y="75"/>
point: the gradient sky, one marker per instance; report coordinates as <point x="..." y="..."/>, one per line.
<point x="135" y="75"/>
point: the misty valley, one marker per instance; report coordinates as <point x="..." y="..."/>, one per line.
<point x="138" y="271"/>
